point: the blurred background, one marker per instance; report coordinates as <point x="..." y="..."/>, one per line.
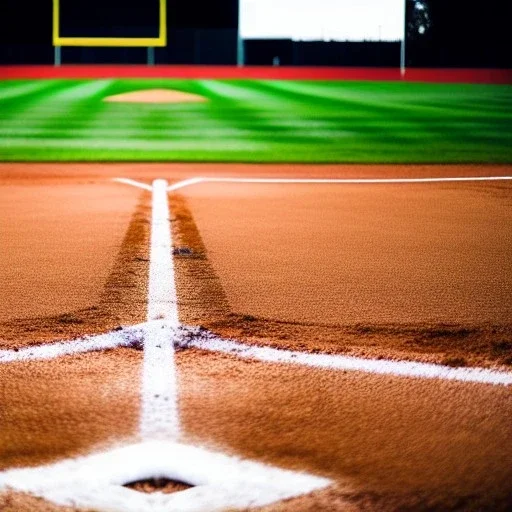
<point x="438" y="33"/>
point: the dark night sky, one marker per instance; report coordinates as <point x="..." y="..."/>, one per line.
<point x="31" y="20"/>
<point x="462" y="33"/>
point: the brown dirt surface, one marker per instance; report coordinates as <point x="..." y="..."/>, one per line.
<point x="156" y="96"/>
<point x="75" y="260"/>
<point x="66" y="407"/>
<point x="163" y="485"/>
<point x="317" y="280"/>
<point x="388" y="443"/>
<point x="17" y="502"/>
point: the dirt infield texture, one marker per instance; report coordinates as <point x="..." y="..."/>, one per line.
<point x="315" y="280"/>
<point x="68" y="406"/>
<point x="280" y="266"/>
<point x="407" y="271"/>
<point x="58" y="245"/>
<point x="360" y="254"/>
<point x="388" y="443"/>
<point x="74" y="258"/>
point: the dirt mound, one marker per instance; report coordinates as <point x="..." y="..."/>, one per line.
<point x="156" y="96"/>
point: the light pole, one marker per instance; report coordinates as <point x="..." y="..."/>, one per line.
<point x="402" y="44"/>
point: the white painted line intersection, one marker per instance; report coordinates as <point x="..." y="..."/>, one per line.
<point x="133" y="183"/>
<point x="185" y="337"/>
<point x="97" y="481"/>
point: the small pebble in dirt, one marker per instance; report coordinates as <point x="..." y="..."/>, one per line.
<point x="182" y="251"/>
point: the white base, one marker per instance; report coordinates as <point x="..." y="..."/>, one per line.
<point x="221" y="482"/>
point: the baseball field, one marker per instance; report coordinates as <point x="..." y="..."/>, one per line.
<point x="283" y="293"/>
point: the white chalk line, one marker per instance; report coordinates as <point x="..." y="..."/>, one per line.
<point x="360" y="181"/>
<point x="184" y="183"/>
<point x="107" y="341"/>
<point x="184" y="337"/>
<point x="133" y="183"/>
<point x="159" y="409"/>
<point x="222" y="482"/>
<point x="162" y="298"/>
<point x="210" y="342"/>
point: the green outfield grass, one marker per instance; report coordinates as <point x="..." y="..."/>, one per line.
<point x="257" y="121"/>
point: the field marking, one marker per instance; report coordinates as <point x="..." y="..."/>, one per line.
<point x="159" y="409"/>
<point x="162" y="298"/>
<point x="111" y="340"/>
<point x="134" y="183"/>
<point x="361" y="181"/>
<point x="184" y="337"/>
<point x="356" y="180"/>
<point x="96" y="481"/>
<point x="222" y="482"/>
<point x="196" y="180"/>
<point x="184" y="183"/>
<point x="210" y="342"/>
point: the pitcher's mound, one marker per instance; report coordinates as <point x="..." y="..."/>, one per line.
<point x="156" y="96"/>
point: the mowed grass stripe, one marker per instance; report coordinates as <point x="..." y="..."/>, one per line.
<point x="258" y="121"/>
<point x="62" y="104"/>
<point x="19" y="88"/>
<point x="357" y="109"/>
<point x="14" y="107"/>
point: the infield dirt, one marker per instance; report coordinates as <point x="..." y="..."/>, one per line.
<point x="419" y="272"/>
<point x="389" y="443"/>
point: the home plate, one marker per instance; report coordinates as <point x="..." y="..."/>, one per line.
<point x="218" y="481"/>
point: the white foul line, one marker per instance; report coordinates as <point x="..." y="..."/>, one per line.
<point x="162" y="301"/>
<point x="361" y="181"/>
<point x="356" y="180"/>
<point x="212" y="343"/>
<point x="193" y="337"/>
<point x="184" y="183"/>
<point x="159" y="410"/>
<point x="114" y="339"/>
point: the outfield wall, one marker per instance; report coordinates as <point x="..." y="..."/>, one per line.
<point x="483" y="76"/>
